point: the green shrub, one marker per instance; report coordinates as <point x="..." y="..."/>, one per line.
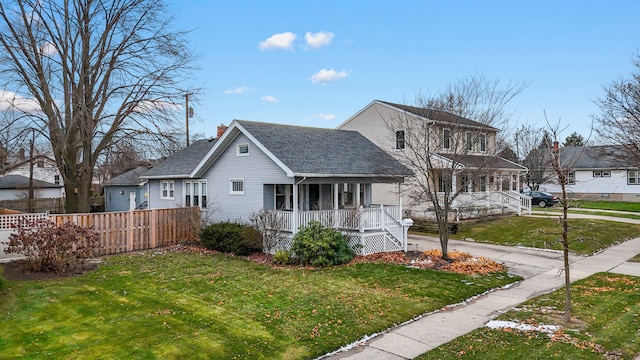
<point x="283" y="257"/>
<point x="321" y="246"/>
<point x="230" y="237"/>
<point x="50" y="247"/>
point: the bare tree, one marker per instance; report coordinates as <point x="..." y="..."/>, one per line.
<point x="534" y="151"/>
<point x="561" y="169"/>
<point x="91" y="73"/>
<point x="446" y="159"/>
<point x="619" y="120"/>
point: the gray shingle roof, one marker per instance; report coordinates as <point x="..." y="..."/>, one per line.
<point x="183" y="162"/>
<point x="595" y="157"/>
<point x="131" y="177"/>
<point x="22" y="182"/>
<point x="438" y="115"/>
<point x="306" y="150"/>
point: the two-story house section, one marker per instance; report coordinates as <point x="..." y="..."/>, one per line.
<point x="451" y="142"/>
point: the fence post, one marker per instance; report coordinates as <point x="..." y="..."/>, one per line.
<point x="130" y="231"/>
<point x="153" y="232"/>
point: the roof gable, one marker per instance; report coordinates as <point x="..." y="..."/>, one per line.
<point x="131" y="177"/>
<point x="307" y="151"/>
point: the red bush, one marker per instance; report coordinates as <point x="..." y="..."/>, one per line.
<point x="48" y="247"/>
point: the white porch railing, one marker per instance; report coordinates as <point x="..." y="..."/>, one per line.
<point x="510" y="199"/>
<point x="375" y="217"/>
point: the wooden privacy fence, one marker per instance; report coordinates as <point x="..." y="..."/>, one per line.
<point x="138" y="230"/>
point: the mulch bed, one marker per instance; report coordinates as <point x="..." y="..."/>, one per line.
<point x="15" y="270"/>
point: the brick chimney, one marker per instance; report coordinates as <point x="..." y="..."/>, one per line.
<point x="221" y="129"/>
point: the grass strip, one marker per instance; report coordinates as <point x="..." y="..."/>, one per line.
<point x="606" y="310"/>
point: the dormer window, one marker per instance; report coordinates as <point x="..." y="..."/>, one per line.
<point x="242" y="150"/>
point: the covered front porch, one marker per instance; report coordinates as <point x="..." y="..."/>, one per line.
<point x="481" y="193"/>
<point x="342" y="204"/>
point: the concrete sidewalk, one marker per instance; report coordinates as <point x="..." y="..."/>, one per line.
<point x="540" y="269"/>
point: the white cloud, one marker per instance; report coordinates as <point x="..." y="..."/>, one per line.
<point x="319" y="39"/>
<point x="325" y="76"/>
<point x="239" y="90"/>
<point x="327" y="117"/>
<point x="48" y="49"/>
<point x="278" y="41"/>
<point x="10" y="101"/>
<point x="269" y="98"/>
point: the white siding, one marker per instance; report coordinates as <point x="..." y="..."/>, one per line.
<point x="47" y="172"/>
<point x="256" y="169"/>
<point x="587" y="184"/>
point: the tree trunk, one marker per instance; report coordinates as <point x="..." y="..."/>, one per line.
<point x="565" y="253"/>
<point x="78" y="192"/>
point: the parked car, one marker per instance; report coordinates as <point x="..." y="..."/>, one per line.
<point x="542" y="199"/>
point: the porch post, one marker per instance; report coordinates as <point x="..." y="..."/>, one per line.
<point x="400" y="198"/>
<point x="357" y="195"/>
<point x="294" y="222"/>
<point x="335" y="196"/>
<point x="500" y="182"/>
<point x="454" y="181"/>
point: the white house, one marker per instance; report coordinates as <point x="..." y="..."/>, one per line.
<point x="16" y="187"/>
<point x="597" y="173"/>
<point x="486" y="182"/>
<point x="44" y="169"/>
<point x="301" y="173"/>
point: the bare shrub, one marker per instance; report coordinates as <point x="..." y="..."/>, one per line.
<point x="49" y="247"/>
<point x="270" y="224"/>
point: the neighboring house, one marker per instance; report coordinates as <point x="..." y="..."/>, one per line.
<point x="496" y="180"/>
<point x="44" y="169"/>
<point x="126" y="191"/>
<point x="16" y="187"/>
<point x="301" y="173"/>
<point x="595" y="174"/>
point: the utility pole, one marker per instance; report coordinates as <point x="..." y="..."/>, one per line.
<point x="188" y="114"/>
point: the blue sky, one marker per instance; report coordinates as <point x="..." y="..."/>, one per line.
<point x="257" y="64"/>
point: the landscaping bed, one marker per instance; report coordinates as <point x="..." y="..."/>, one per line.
<point x="191" y="303"/>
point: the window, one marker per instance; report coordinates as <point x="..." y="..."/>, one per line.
<point x="483" y="142"/>
<point x="166" y="189"/>
<point x="236" y="187"/>
<point x="400" y="139"/>
<point x="284" y="197"/>
<point x="195" y="193"/>
<point x="571" y="178"/>
<point x="632" y="177"/>
<point x="602" y="173"/>
<point x="469" y="141"/>
<point x="56" y="179"/>
<point x="40" y="163"/>
<point x="242" y="150"/>
<point x="187" y="193"/>
<point x="446" y="138"/>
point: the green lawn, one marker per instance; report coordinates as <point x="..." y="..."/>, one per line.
<point x="607" y="309"/>
<point x="606" y="205"/>
<point x="587" y="236"/>
<point x="155" y="305"/>
<point x="635" y="258"/>
<point x="558" y="211"/>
